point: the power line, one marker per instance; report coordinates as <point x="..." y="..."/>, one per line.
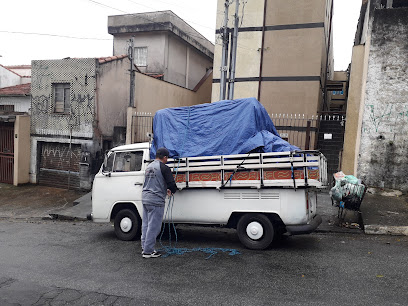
<point x="113" y="8"/>
<point x="54" y="35"/>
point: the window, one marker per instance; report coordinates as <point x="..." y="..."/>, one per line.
<point x="400" y="3"/>
<point x="7" y="108"/>
<point x="123" y="162"/>
<point x="140" y="56"/>
<point x="61" y="92"/>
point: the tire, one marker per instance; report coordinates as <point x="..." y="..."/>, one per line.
<point x="255" y="231"/>
<point x="127" y="225"/>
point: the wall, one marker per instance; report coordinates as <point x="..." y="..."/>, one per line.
<point x="21" y="150"/>
<point x="8" y="78"/>
<point x="294" y="54"/>
<point x="21" y="104"/>
<point x="355" y="105"/>
<point x="383" y="161"/>
<point x="77" y="127"/>
<point x="112" y="95"/>
<point x="152" y="94"/>
<point x="155" y="43"/>
<point x="81" y="74"/>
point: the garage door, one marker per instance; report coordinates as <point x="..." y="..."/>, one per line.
<point x="59" y="165"/>
<point x="6" y="152"/>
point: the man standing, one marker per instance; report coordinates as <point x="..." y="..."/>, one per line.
<point x="159" y="181"/>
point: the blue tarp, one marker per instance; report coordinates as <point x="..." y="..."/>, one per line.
<point x="219" y="128"/>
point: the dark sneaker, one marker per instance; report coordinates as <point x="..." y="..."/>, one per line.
<point x="154" y="254"/>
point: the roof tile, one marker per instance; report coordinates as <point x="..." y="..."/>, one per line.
<point x="18" y="90"/>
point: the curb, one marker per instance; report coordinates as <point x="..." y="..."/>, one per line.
<point x="385" y="230"/>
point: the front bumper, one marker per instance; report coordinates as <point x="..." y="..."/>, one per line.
<point x="305" y="228"/>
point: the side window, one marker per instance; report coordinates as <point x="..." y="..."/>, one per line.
<point x="128" y="161"/>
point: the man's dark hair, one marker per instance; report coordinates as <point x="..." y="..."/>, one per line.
<point x="162" y="152"/>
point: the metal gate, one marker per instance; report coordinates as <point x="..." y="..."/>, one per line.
<point x="59" y="165"/>
<point x="6" y="152"/>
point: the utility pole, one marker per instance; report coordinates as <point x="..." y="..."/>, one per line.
<point x="225" y="41"/>
<point x="231" y="81"/>
<point x="131" y="51"/>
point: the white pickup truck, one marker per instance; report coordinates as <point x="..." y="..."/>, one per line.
<point x="261" y="195"/>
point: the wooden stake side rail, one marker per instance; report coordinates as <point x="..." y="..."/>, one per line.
<point x="256" y="170"/>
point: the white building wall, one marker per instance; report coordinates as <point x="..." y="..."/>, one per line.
<point x="21" y="104"/>
<point x="383" y="159"/>
<point x="8" y="78"/>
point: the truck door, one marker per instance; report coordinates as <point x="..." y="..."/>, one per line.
<point x="121" y="180"/>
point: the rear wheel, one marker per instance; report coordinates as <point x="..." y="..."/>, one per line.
<point x="255" y="231"/>
<point x="127" y="225"/>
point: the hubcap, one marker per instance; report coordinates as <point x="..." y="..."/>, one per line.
<point x="125" y="224"/>
<point x="254" y="230"/>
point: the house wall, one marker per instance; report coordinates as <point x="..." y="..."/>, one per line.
<point x="156" y="49"/>
<point x="294" y="54"/>
<point x="167" y="54"/>
<point x="112" y="95"/>
<point x="383" y="161"/>
<point x="21" y="150"/>
<point x="81" y="74"/>
<point x="152" y="94"/>
<point x="21" y="104"/>
<point x="77" y="127"/>
<point x="8" y="78"/>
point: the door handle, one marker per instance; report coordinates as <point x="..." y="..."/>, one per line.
<point x="138" y="184"/>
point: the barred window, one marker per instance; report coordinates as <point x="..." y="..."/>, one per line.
<point x="61" y="96"/>
<point x="140" y="56"/>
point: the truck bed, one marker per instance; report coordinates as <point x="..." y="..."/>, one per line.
<point x="255" y="170"/>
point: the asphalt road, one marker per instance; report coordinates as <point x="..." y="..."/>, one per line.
<point x="82" y="263"/>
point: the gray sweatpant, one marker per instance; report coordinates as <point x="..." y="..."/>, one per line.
<point x="151" y="226"/>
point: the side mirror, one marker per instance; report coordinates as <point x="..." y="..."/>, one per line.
<point x="106" y="169"/>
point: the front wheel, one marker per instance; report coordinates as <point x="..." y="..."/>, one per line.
<point x="127" y="225"/>
<point x="255" y="231"/>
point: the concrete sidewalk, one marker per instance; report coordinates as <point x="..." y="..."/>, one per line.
<point x="385" y="212"/>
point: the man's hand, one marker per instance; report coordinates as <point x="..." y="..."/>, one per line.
<point x="168" y="192"/>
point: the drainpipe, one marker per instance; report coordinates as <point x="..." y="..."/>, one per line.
<point x="262" y="51"/>
<point x="231" y="81"/>
<point x="327" y="59"/>
<point x="225" y="42"/>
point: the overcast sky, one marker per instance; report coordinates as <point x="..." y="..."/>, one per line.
<point x="88" y="19"/>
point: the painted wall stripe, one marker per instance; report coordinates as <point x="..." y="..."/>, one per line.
<point x="275" y="79"/>
<point x="279" y="27"/>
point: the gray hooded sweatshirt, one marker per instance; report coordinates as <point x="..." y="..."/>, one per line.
<point x="158" y="178"/>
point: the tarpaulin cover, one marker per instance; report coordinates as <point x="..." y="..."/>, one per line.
<point x="219" y="128"/>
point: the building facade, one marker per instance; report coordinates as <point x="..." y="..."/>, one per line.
<point x="377" y="114"/>
<point x="78" y="109"/>
<point x="284" y="53"/>
<point x="163" y="45"/>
